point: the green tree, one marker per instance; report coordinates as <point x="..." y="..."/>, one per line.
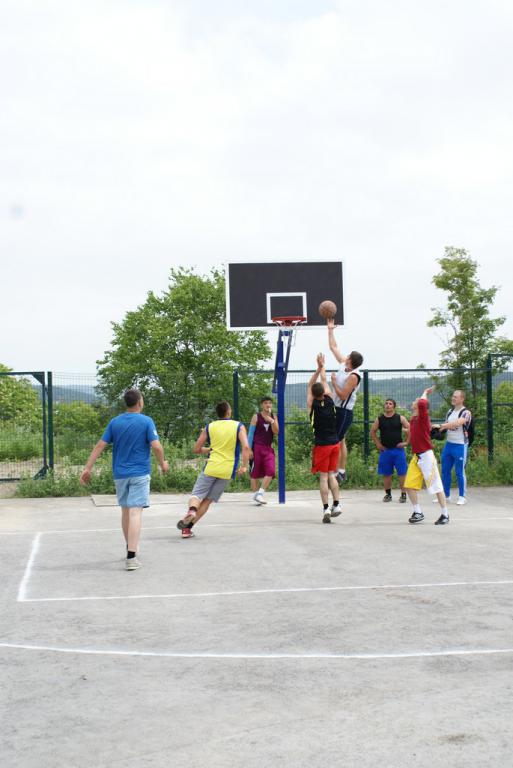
<point x="176" y="349"/>
<point x="77" y="417"/>
<point x="19" y="401"/>
<point x="471" y="333"/>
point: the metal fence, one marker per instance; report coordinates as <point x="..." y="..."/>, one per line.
<point x="52" y="421"/>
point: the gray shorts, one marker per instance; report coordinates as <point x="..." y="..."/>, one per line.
<point x="207" y="487"/>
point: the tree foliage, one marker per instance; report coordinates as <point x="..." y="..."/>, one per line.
<point x="176" y="349"/>
<point x="19" y="401"/>
<point x="471" y="333"/>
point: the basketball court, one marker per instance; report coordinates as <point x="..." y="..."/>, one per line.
<point x="268" y="639"/>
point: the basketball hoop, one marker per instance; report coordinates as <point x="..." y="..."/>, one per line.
<point x="290" y="321"/>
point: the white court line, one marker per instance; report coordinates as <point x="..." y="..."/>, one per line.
<point x="263" y="656"/>
<point x="289" y="590"/>
<point x="218" y="525"/>
<point x="22" y="589"/>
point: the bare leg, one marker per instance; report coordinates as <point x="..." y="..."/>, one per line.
<point x="441" y="499"/>
<point x="124" y="522"/>
<point x="413" y="495"/>
<point x="387" y="483"/>
<point x="266" y="482"/>
<point x="401" y="482"/>
<point x="134" y="528"/>
<point x="202" y="509"/>
<point x="323" y="486"/>
<point x="342" y="457"/>
<point x="254" y="484"/>
<point x="333" y="485"/>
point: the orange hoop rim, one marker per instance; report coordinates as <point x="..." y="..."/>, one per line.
<point x="289" y="321"/>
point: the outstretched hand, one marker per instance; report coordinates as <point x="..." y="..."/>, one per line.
<point x="330" y="322"/>
<point x="430" y="389"/>
<point x="321" y="361"/>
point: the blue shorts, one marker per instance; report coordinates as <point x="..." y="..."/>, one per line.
<point x="344" y="421"/>
<point x="133" y="491"/>
<point x="392" y="458"/>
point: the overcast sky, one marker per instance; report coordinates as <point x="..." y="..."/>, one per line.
<point x="138" y="135"/>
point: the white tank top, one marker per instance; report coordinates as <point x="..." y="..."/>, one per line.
<point x="341" y="378"/>
<point x="457" y="435"/>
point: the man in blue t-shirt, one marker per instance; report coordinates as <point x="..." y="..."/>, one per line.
<point x="131" y="435"/>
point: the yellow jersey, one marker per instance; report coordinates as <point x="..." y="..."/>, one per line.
<point x="224" y="455"/>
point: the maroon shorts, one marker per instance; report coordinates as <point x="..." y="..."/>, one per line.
<point x="264" y="463"/>
<point x="325" y="458"/>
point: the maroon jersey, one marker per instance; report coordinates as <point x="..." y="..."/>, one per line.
<point x="263" y="432"/>
<point x="420" y="427"/>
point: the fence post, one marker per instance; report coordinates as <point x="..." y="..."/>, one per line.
<point x="489" y="408"/>
<point x="236" y="395"/>
<point x="366" y="446"/>
<point x="50" y="419"/>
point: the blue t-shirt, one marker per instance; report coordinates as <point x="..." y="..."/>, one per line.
<point x="130" y="435"/>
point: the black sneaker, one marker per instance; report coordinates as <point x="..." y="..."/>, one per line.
<point x="336" y="510"/>
<point x="442" y="520"/>
<point x="402" y="498"/>
<point x="327" y="516"/>
<point x="387" y="497"/>
<point x="417" y="517"/>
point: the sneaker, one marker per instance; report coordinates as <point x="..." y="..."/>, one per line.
<point x="402" y="498"/>
<point x="259" y="498"/>
<point x="186" y="521"/>
<point x="461" y="501"/>
<point x="387" y="497"/>
<point x="335" y="510"/>
<point x="132" y="563"/>
<point x="341" y="477"/>
<point x="327" y="517"/>
<point x="187" y="533"/>
<point x="417" y="517"/>
<point x="442" y="520"/>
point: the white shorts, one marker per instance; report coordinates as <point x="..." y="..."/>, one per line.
<point x="424" y="468"/>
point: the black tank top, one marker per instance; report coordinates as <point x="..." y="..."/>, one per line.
<point x="390" y="430"/>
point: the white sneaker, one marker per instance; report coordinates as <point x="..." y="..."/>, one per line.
<point x="461" y="501"/>
<point x="259" y="497"/>
<point x="132" y="563"/>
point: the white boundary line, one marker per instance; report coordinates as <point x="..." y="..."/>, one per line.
<point x="22" y="589"/>
<point x="290" y="590"/>
<point x="242" y="524"/>
<point x="263" y="656"/>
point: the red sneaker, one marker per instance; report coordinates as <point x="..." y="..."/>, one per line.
<point x="185" y="521"/>
<point x="187" y="533"/>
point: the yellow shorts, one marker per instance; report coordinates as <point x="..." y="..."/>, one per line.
<point x="424" y="469"/>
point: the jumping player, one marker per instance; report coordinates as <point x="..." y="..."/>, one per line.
<point x="323" y="419"/>
<point x="226" y="437"/>
<point x="262" y="428"/>
<point x="132" y="435"/>
<point x="423" y="466"/>
<point x="346" y="383"/>
<point x="391" y="444"/>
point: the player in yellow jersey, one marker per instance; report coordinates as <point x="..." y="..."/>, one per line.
<point x="227" y="439"/>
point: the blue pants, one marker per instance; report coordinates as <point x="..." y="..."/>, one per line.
<point x="454" y="455"/>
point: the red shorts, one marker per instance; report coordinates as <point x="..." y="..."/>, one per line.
<point x="325" y="458"/>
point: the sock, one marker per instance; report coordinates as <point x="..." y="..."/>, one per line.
<point x="130" y="555"/>
<point x="416" y="508"/>
<point x="335" y="503"/>
<point x="444" y="512"/>
<point x="388" y="491"/>
<point x="342" y="471"/>
<point x="325" y="506"/>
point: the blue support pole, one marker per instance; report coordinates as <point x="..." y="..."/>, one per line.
<point x="280" y="376"/>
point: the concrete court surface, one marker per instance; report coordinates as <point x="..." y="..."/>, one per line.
<point x="267" y="640"/>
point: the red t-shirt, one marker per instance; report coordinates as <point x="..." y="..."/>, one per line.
<point x="420" y="427"/>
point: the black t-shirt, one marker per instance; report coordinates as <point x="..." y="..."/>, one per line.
<point x="323" y="419"/>
<point x="390" y="430"/>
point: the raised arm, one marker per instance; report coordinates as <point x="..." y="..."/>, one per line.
<point x="332" y="342"/>
<point x="311" y="382"/>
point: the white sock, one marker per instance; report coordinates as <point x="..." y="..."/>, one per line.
<point x="416" y="508"/>
<point x="444" y="512"/>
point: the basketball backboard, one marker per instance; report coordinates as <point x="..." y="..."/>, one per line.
<point x="260" y="290"/>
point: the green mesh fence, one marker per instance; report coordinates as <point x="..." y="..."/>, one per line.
<point x="23" y="429"/>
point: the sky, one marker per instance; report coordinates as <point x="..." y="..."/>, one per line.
<point x="137" y="136"/>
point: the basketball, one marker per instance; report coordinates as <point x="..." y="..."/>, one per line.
<point x="327" y="309"/>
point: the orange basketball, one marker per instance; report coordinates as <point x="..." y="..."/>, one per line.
<point x="327" y="309"/>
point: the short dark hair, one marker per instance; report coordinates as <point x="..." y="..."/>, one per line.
<point x="222" y="408"/>
<point x="265" y="399"/>
<point x="391" y="400"/>
<point x="132" y="397"/>
<point x="317" y="389"/>
<point x="356" y="359"/>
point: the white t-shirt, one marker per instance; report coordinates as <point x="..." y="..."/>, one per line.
<point x="458" y="435"/>
<point x="341" y="378"/>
